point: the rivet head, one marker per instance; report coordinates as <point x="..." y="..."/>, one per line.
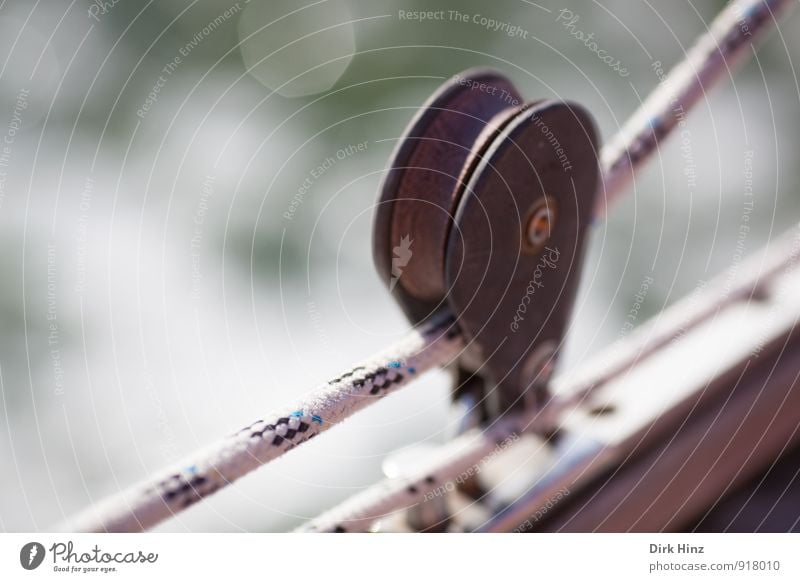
<point x="539" y="225"/>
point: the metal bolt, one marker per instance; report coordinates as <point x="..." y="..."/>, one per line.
<point x="540" y="224"/>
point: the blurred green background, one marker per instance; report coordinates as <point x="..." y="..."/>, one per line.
<point x="178" y="256"/>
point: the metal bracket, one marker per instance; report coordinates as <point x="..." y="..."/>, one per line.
<point x="483" y="214"/>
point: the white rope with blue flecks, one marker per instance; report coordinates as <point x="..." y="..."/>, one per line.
<point x="264" y="440"/>
<point x="729" y="39"/>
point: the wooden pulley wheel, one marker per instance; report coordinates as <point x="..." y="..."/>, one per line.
<point x="482" y="214"/>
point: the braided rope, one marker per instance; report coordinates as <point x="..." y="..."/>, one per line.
<point x="146" y="505"/>
<point x="464" y="455"/>
<point x="729" y="40"/>
<point x="266" y="439"/>
<point x="470" y="450"/>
